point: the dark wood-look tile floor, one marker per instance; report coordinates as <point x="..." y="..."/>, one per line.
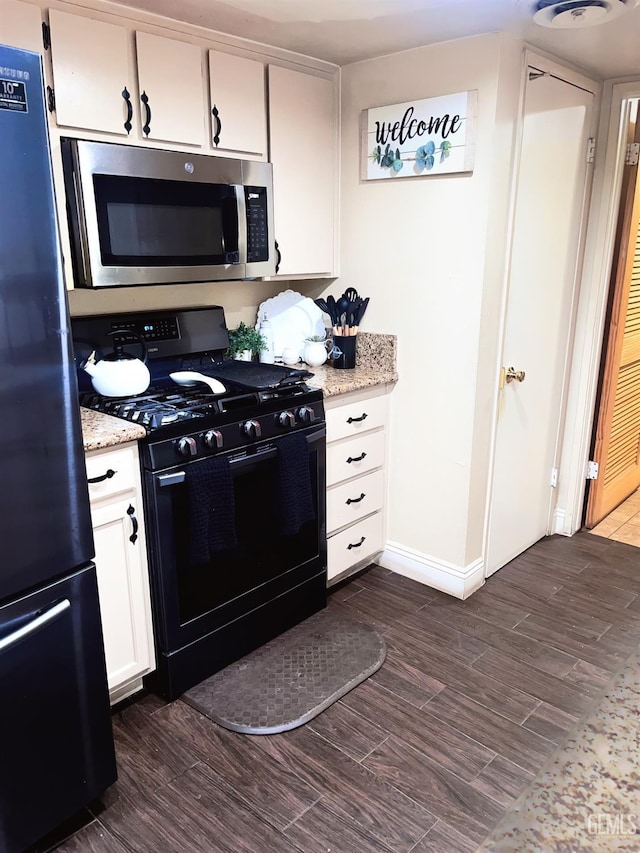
<point x="426" y="755"/>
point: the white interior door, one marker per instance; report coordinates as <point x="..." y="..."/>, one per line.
<point x="548" y="213"/>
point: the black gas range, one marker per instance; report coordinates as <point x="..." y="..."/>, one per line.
<point x="234" y="489"/>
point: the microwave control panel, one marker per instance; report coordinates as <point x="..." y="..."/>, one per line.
<point x="257" y="232"/>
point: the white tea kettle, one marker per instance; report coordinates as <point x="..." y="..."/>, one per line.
<point x="119" y="374"/>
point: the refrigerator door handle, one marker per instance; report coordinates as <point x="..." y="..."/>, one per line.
<point x="32" y="627"/>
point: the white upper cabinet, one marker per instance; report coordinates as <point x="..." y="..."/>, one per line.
<point x="238" y="104"/>
<point x="171" y="93"/>
<point x="95" y="88"/>
<point x="90" y="73"/>
<point x="21" y="25"/>
<point x="303" y="141"/>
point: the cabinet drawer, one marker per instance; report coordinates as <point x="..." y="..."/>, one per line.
<point x="355" y="456"/>
<point x="356" y="417"/>
<point x="356" y="543"/>
<point x="123" y="462"/>
<point x="354" y="499"/>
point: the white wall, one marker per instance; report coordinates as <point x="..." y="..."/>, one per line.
<point x="240" y="299"/>
<point x="429" y="252"/>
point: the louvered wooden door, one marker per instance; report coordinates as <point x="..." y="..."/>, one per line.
<point x="617" y="443"/>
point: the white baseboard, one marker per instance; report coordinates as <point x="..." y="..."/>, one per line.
<point x="460" y="581"/>
<point x="562" y="522"/>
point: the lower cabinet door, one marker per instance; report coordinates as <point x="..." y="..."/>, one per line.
<point x="356" y="543"/>
<point x="123" y="588"/>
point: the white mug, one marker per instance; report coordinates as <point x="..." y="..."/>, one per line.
<point x="290" y="355"/>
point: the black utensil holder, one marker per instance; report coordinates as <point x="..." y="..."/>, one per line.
<point x="347" y="346"/>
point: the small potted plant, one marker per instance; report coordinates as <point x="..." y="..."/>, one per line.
<point x="245" y="342"/>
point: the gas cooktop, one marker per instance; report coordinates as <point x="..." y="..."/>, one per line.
<point x="164" y="403"/>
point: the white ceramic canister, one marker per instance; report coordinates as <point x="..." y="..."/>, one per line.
<point x="266" y="354"/>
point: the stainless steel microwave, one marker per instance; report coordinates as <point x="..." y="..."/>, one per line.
<point x="142" y="216"/>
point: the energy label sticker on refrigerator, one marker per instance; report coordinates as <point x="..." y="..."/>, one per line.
<point x="13" y="96"/>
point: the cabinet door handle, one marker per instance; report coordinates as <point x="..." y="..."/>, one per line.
<point x="362" y="417"/>
<point x="127" y="100"/>
<point x="146" y="128"/>
<point x="356" y="544"/>
<point x="350" y="501"/>
<point x="218" y="130"/>
<point x="134" y="523"/>
<point x="108" y="474"/>
<point x="278" y="257"/>
<point x="356" y="458"/>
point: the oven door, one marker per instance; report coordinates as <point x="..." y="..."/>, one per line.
<point x="191" y="601"/>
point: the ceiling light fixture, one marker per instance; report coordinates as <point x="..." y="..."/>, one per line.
<point x="573" y="14"/>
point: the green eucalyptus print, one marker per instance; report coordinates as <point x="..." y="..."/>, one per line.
<point x="425" y="156"/>
<point x="390" y="159"/>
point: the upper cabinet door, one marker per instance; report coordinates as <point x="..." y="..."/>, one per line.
<point x="171" y="95"/>
<point x="303" y="140"/>
<point x="21" y="25"/>
<point x="90" y="72"/>
<point x="238" y="107"/>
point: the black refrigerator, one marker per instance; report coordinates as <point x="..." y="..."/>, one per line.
<point x="56" y="744"/>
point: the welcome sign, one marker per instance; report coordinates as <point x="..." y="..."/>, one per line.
<point x="433" y="136"/>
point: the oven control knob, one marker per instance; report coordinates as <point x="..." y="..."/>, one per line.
<point x="213" y="439"/>
<point x="287" y="419"/>
<point x="252" y="429"/>
<point x="306" y="414"/>
<point x="187" y="447"/>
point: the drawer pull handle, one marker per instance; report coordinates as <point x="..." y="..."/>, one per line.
<point x="356" y="544"/>
<point x="350" y="501"/>
<point x="109" y="473"/>
<point x="356" y="458"/>
<point x="362" y="417"/>
<point x="134" y="524"/>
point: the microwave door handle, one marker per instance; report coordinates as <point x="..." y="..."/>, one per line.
<point x="242" y="223"/>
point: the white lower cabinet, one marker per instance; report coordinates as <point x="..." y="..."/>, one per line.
<point x="121" y="564"/>
<point x="356" y="479"/>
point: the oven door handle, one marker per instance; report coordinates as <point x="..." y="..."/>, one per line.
<point x="173" y="478"/>
<point x="176" y="477"/>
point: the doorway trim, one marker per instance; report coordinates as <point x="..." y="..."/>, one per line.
<point x="592" y="305"/>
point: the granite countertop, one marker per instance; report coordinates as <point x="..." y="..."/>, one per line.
<point x="376" y="357"/>
<point x="100" y="431"/>
<point x="375" y="365"/>
<point x="334" y="382"/>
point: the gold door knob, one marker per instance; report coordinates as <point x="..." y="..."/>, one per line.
<point x="511" y="373"/>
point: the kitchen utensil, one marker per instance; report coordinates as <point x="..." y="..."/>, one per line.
<point x="119" y="374"/>
<point x="190" y="377"/>
<point x="351" y="294"/>
<point x="352" y="312"/>
<point x="322" y="305"/>
<point x="343" y="304"/>
<point x="359" y="314"/>
<point x="334" y="313"/>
